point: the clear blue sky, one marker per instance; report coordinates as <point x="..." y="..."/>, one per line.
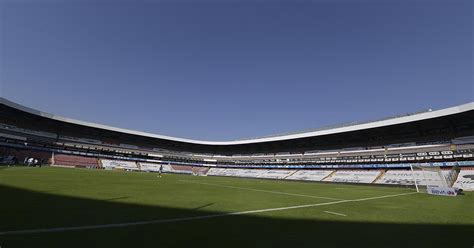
<point x="221" y="70"/>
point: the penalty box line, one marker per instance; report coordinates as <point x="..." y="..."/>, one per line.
<point x="137" y="223"/>
<point x="261" y="190"/>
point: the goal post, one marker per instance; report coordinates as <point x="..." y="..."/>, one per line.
<point x="414" y="179"/>
<point x="433" y="180"/>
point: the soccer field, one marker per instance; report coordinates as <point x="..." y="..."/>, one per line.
<point x="57" y="207"/>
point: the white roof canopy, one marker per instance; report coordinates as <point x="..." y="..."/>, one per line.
<point x="375" y="124"/>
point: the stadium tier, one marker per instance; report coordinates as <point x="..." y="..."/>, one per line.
<point x="465" y="180"/>
<point x="353" y="176"/>
<point x="406" y="177"/>
<point x="379" y="151"/>
<point x="185" y="169"/>
<point x="151" y="167"/>
<point x="74" y="161"/>
<point x="310" y="175"/>
<point x="118" y="164"/>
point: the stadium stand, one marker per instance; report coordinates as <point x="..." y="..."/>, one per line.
<point x="277" y="174"/>
<point x="233" y="172"/>
<point x="21" y="154"/>
<point x="201" y="171"/>
<point x="465" y="180"/>
<point x="75" y="161"/>
<point x="230" y="172"/>
<point x="151" y="167"/>
<point x="216" y="172"/>
<point x="118" y="164"/>
<point x="8" y="160"/>
<point x="183" y="169"/>
<point x="353" y="176"/>
<point x="251" y="173"/>
<point x="372" y="152"/>
<point x="310" y="175"/>
<point x="407" y="177"/>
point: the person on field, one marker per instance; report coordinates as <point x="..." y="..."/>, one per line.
<point x="30" y="162"/>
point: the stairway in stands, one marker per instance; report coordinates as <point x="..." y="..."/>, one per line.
<point x="380" y="176"/>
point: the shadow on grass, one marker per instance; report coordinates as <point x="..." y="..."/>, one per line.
<point x="23" y="209"/>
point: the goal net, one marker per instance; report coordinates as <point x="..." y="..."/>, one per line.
<point x="434" y="180"/>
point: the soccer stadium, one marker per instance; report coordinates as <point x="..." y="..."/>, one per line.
<point x="236" y="123"/>
<point x="73" y="183"/>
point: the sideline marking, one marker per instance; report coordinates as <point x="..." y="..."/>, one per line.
<point x="88" y="227"/>
<point x="260" y="190"/>
<point x="329" y="212"/>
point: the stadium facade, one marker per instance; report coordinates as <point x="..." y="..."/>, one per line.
<point x="442" y="137"/>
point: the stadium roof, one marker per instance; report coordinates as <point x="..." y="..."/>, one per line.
<point x="314" y="133"/>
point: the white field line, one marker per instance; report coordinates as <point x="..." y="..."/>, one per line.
<point x="137" y="223"/>
<point x="329" y="212"/>
<point x="260" y="190"/>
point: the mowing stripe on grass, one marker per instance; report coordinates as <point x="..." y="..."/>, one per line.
<point x="259" y="190"/>
<point x="329" y="212"/>
<point x="137" y="223"/>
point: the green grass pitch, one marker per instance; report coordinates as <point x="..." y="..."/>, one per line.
<point x="59" y="207"/>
